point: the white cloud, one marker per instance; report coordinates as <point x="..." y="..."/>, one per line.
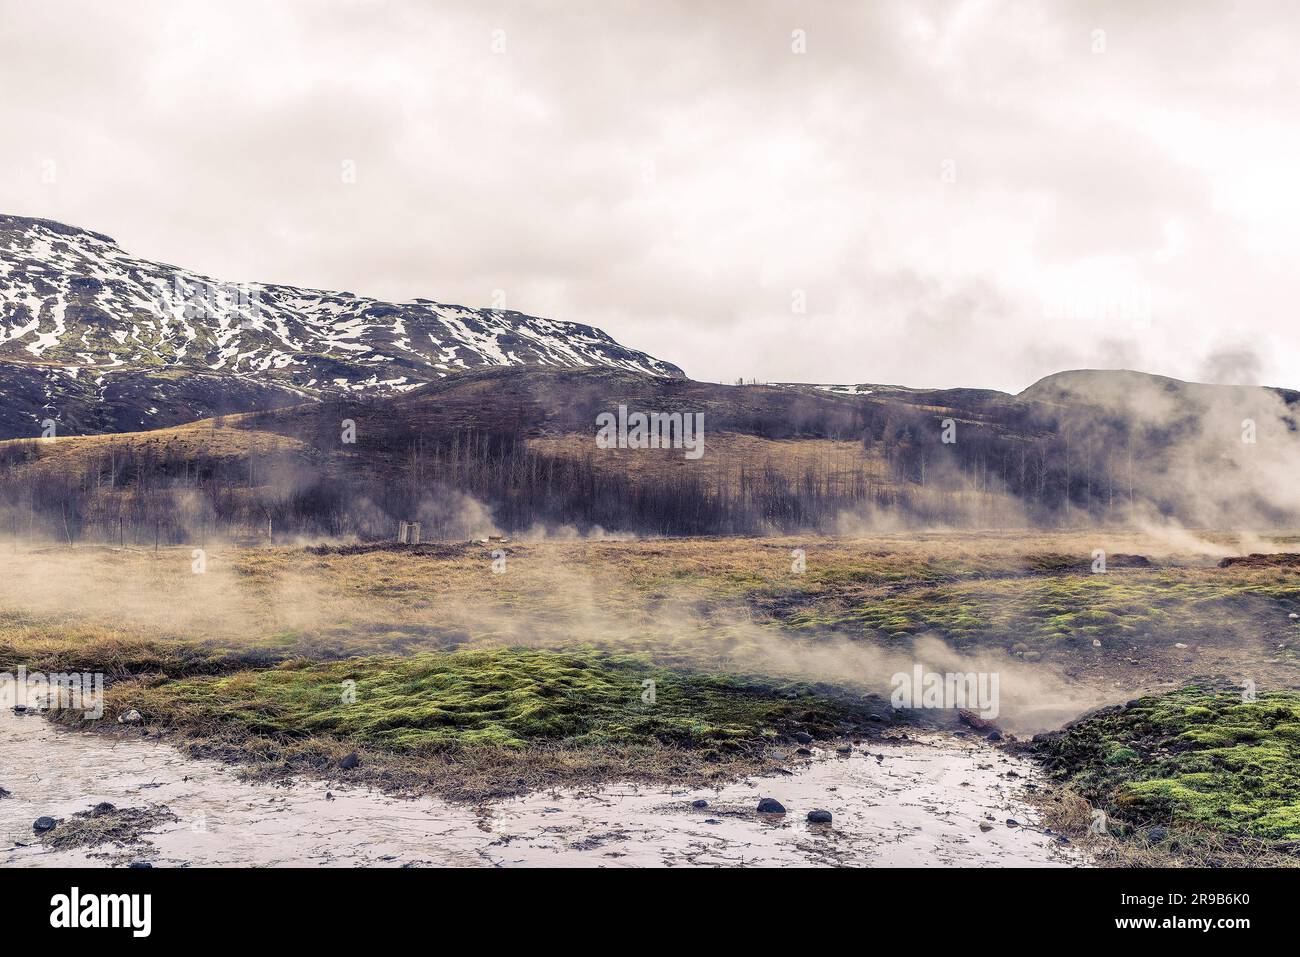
<point x="673" y="172"/>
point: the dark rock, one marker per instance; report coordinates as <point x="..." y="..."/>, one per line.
<point x="803" y="737"/>
<point x="44" y="824"/>
<point x="1012" y="822"/>
<point x="4" y="793"/>
<point x="993" y="736"/>
<point x="102" y="808"/>
<point x="1156" y="834"/>
<point x="819" y="817"/>
<point x="350" y="762"/>
<point x="804" y="752"/>
<point x="844" y="749"/>
<point x="770" y="806"/>
<point x="138" y="865"/>
<point x="700" y="803"/>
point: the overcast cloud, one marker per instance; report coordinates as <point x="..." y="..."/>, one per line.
<point x="971" y="194"/>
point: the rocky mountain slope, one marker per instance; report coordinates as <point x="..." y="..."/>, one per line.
<point x="98" y="340"/>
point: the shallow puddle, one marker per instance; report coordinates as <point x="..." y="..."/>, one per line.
<point x="915" y="802"/>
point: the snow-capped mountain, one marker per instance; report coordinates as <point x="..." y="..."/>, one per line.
<point x="99" y="340"/>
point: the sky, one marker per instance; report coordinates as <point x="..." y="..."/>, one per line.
<point x="929" y="194"/>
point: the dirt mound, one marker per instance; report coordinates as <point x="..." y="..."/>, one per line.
<point x="435" y="550"/>
<point x="1054" y="562"/>
<point x="1258" y="560"/>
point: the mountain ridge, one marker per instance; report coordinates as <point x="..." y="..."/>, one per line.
<point x="89" y="332"/>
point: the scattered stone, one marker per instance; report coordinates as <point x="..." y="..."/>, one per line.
<point x="1012" y="822"/>
<point x="819" y="817"/>
<point x="44" y="824"/>
<point x="844" y="749"/>
<point x="803" y="737"/>
<point x="1156" y="834"/>
<point x="329" y="795"/>
<point x="102" y="808"/>
<point x="770" y="806"/>
<point x="1096" y="642"/>
<point x="804" y="752"/>
<point x="139" y="865"/>
<point x="20" y="709"/>
<point x="129" y="717"/>
<point x="1293" y="616"/>
<point x="4" y="794"/>
<point x="1179" y="644"/>
<point x="994" y="736"/>
<point x="350" y="762"/>
<point x="700" y="803"/>
<point x="985" y="826"/>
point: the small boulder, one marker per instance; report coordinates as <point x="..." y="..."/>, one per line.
<point x="350" y="762"/>
<point x="994" y="735"/>
<point x="819" y="817"/>
<point x="700" y="803"/>
<point x="802" y="752"/>
<point x="803" y="737"/>
<point x="140" y="865"/>
<point x="844" y="749"/>
<point x="4" y="794"/>
<point x="102" y="808"/>
<point x="770" y="806"/>
<point x="44" y="824"/>
<point x="1012" y="822"/>
<point x="1156" y="834"/>
<point x="129" y="717"/>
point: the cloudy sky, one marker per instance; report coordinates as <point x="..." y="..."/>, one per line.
<point x="930" y="194"/>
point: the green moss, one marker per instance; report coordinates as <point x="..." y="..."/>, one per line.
<point x="1062" y="611"/>
<point x="1199" y="757"/>
<point x="499" y="697"/>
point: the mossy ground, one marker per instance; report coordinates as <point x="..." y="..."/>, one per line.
<point x="499" y="697"/>
<point x="1197" y="759"/>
